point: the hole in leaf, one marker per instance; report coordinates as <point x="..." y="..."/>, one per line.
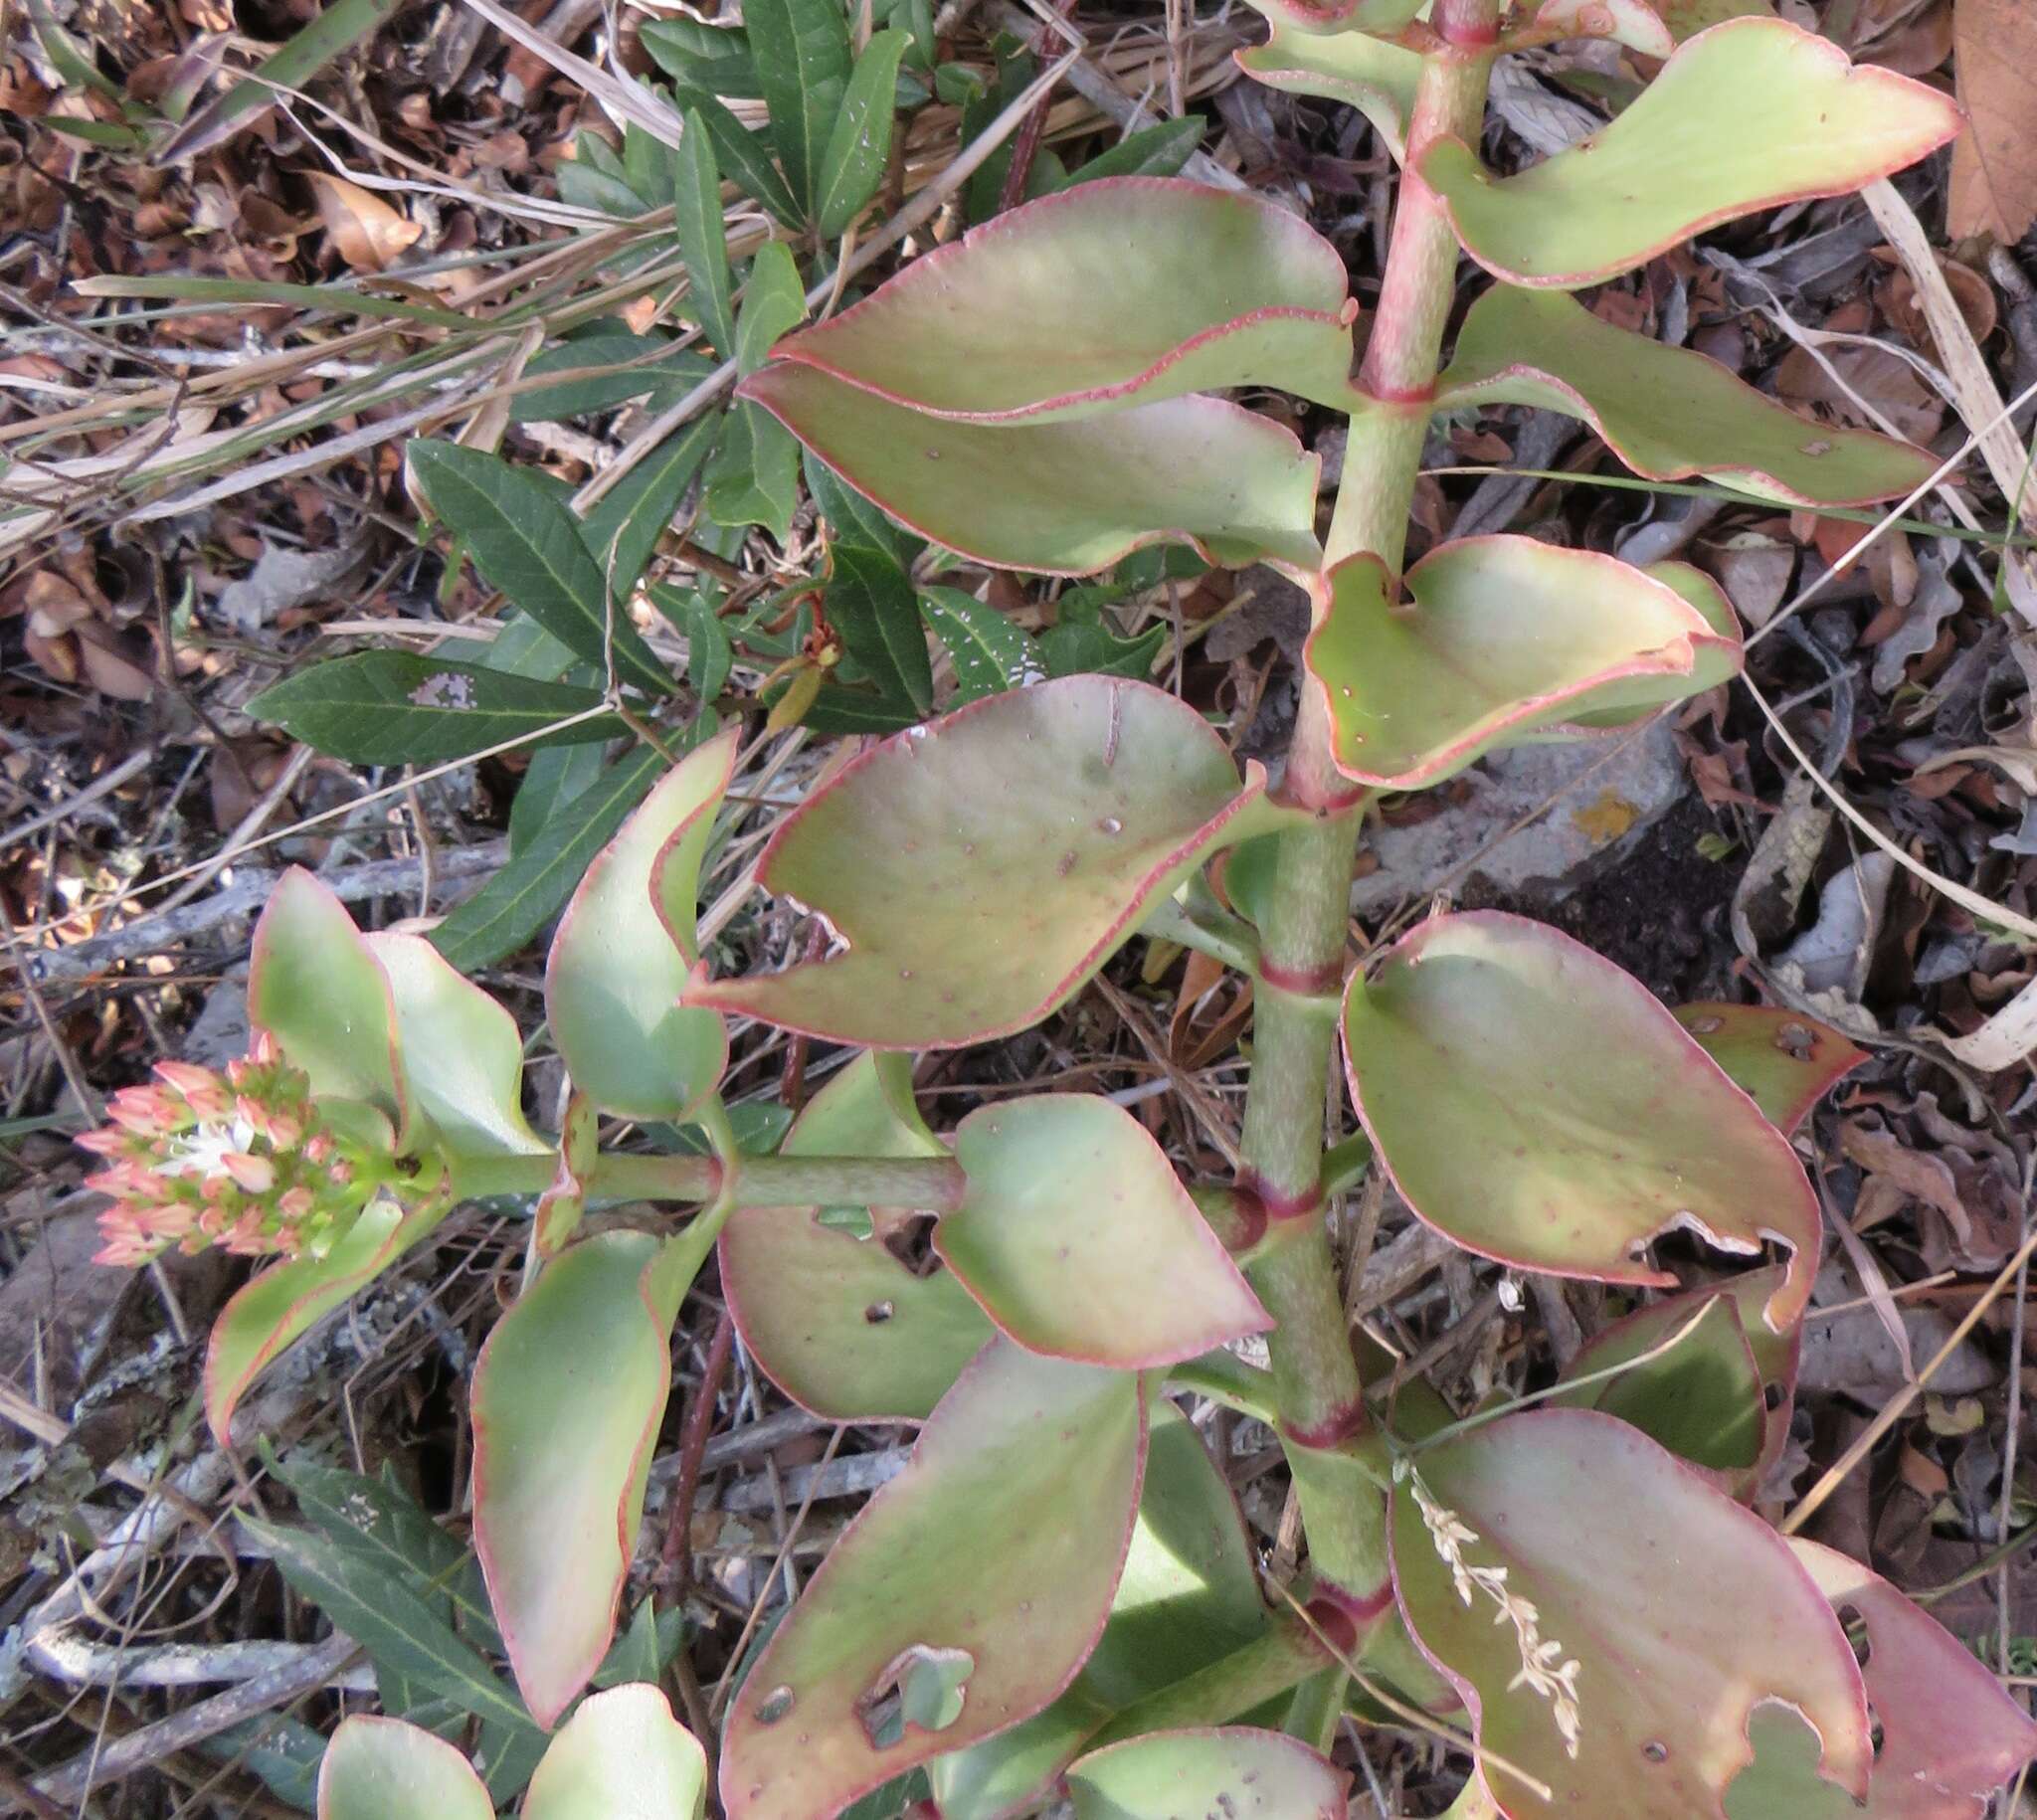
<point x="1773" y="1396"/>
<point x="922" y="1686"/>
<point x="1797" y="1040"/>
<point x="878" y="1312"/>
<point x="1855" y="1623"/>
<point x="1655" y="1750"/>
<point x="773" y="1705"/>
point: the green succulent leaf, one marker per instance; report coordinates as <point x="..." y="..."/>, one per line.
<point x="1637" y="24"/>
<point x="314" y="984"/>
<point x="386" y="1769"/>
<point x="1381" y="18"/>
<point x="527" y="542"/>
<point x="625" y="945"/>
<point x="287" y="1299"/>
<point x="394" y="707"/>
<point x="1131" y="289"/>
<point x="1226" y="1770"/>
<point x="902" y="1647"/>
<point x="1750" y="115"/>
<point x="1688" y="1399"/>
<point x="1080" y="1242"/>
<point x="1368" y="73"/>
<point x="1716" y="658"/>
<point x="1787" y="1062"/>
<point x="462" y="1054"/>
<point x="1189" y="1597"/>
<point x="979" y="869"/>
<point x="1700" y="1399"/>
<point x="800" y="48"/>
<point x="1667" y="413"/>
<point x="1063" y="498"/>
<point x="1949" y="1734"/>
<point x="839" y="1322"/>
<point x="1736" y="1622"/>
<point x="1501" y="636"/>
<point x="621" y="1754"/>
<point x="568" y="1394"/>
<point x="1477" y="1061"/>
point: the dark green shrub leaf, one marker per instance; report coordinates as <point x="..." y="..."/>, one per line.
<point x="802" y="53"/>
<point x="859" y="144"/>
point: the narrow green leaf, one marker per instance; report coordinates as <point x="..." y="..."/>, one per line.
<point x="802" y="53"/>
<point x="556" y="775"/>
<point x="990" y="654"/>
<point x="395" y="707"/>
<point x="387" y="1618"/>
<point x="343" y="300"/>
<point x="525" y="542"/>
<point x="518" y="902"/>
<point x="871" y="604"/>
<point x="284" y="1752"/>
<point x="1153" y="151"/>
<point x="754" y="479"/>
<point x="711" y="654"/>
<point x="855" y="519"/>
<point x="859" y="145"/>
<point x="335" y="29"/>
<point x="632" y="365"/>
<point x="697" y="227"/>
<point x="628" y="520"/>
<point x="743" y="156"/>
<point x="711" y="57"/>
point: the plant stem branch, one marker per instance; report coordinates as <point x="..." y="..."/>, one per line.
<point x="1303" y="940"/>
<point x="932" y="1183"/>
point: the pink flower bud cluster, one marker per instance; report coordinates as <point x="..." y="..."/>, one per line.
<point x="241" y="1159"/>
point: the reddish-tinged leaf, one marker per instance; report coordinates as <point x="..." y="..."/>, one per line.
<point x="1667" y="413"/>
<point x="1369" y="74"/>
<point x="1634" y="23"/>
<point x="1746" y="116"/>
<point x="1688" y="1395"/>
<point x="1029" y="1465"/>
<point x="1128" y="289"/>
<point x="841" y="1325"/>
<point x="1189" y="1597"/>
<point x="1234" y="1772"/>
<point x="621" y="957"/>
<point x="1787" y="1062"/>
<point x="1499" y="636"/>
<point x="1080" y="1241"/>
<point x="1063" y="498"/>
<point x="1383" y="17"/>
<point x="283" y="1302"/>
<point x="315" y="986"/>
<point x="979" y="870"/>
<point x="386" y="1769"/>
<point x="1951" y="1735"/>
<point x="1535" y="1104"/>
<point x="568" y="1393"/>
<point x="1681" y="1611"/>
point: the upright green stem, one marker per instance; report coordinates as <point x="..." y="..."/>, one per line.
<point x="1302" y="943"/>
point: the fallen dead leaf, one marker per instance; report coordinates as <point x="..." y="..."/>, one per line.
<point x="365" y="231"/>
<point x="1995" y="161"/>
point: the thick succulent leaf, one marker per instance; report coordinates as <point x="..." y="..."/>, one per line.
<point x="839" y="1323"/>
<point x="1385" y="17"/>
<point x="1949" y="1734"/>
<point x="1667" y="413"/>
<point x="1063" y="498"/>
<point x="1499" y="636"/>
<point x="1634" y="23"/>
<point x="1787" y="1062"/>
<point x="1752" y="114"/>
<point x="1681" y="1611"/>
<point x="388" y="1770"/>
<point x="1080" y="1241"/>
<point x="315" y="986"/>
<point x="1701" y="1398"/>
<point x="1369" y="74"/>
<point x="1535" y="1104"/>
<point x="1232" y="1771"/>
<point x="462" y="1055"/>
<point x="979" y="870"/>
<point x="620" y="1757"/>
<point x="568" y="1394"/>
<point x="902" y="1647"/>
<point x="282" y="1304"/>
<point x="1189" y="1597"/>
<point x="1124" y="289"/>
<point x="1668" y="1399"/>
<point x="625" y="946"/>
<point x="1717" y="656"/>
